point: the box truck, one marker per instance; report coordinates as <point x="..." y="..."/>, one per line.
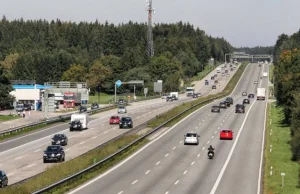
<point x="190" y="91"/>
<point x="261" y="93"/>
<point x="175" y="94"/>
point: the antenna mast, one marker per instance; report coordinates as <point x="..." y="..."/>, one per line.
<point x="150" y="47"/>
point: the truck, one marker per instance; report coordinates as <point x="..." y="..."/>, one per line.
<point x="261" y="93"/>
<point x="265" y="74"/>
<point x="72" y="99"/>
<point x="190" y="91"/>
<point x="175" y="94"/>
<point x="82" y="117"/>
<point x="218" y="70"/>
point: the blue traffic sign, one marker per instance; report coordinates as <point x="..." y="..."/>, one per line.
<point x="118" y="83"/>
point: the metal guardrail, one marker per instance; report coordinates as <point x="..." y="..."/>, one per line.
<point x="50" y="121"/>
<point x="74" y="176"/>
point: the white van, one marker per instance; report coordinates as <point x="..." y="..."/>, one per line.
<point x="82" y="117"/>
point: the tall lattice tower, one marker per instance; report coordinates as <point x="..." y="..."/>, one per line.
<point x="150" y="46"/>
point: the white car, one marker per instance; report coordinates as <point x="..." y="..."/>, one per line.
<point x="191" y="138"/>
<point x="223" y="74"/>
<point x="122" y="109"/>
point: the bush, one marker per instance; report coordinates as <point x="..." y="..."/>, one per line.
<point x="295" y="146"/>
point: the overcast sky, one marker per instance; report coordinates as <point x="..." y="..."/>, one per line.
<point x="241" y="22"/>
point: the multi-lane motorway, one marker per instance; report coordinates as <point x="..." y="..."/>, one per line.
<point x="167" y="166"/>
<point x="22" y="157"/>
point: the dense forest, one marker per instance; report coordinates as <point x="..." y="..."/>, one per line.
<point x="256" y="50"/>
<point x="103" y="53"/>
<point x="287" y="85"/>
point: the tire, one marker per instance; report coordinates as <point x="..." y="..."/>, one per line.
<point x="63" y="159"/>
<point x="45" y="161"/>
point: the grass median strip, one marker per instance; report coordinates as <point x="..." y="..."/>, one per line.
<point x="63" y="170"/>
<point x="4" y="118"/>
<point x="277" y="158"/>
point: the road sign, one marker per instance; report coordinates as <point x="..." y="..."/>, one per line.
<point x="157" y="87"/>
<point x="118" y="83"/>
<point x="145" y="90"/>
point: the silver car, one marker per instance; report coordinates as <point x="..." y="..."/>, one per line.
<point x="122" y="109"/>
<point x="191" y="138"/>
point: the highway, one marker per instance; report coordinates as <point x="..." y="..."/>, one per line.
<point x="22" y="157"/>
<point x="167" y="166"/>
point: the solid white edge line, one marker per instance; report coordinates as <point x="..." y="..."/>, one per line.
<point x="230" y="153"/>
<point x="150" y="143"/>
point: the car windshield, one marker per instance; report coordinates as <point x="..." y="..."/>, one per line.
<point x="20" y="106"/>
<point x="114" y="117"/>
<point x="126" y="119"/>
<point x="58" y="136"/>
<point x="121" y="107"/>
<point x="191" y="135"/>
<point x="52" y="148"/>
<point x="225" y="131"/>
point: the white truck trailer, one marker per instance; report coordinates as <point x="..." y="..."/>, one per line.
<point x="176" y="94"/>
<point x="265" y="74"/>
<point x="261" y="93"/>
<point x="82" y="117"/>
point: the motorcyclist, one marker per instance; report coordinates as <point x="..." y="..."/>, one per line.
<point x="210" y="150"/>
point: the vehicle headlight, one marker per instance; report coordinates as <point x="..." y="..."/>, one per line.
<point x="53" y="141"/>
<point x="57" y="154"/>
<point x="62" y="140"/>
<point x="75" y="125"/>
<point x="129" y="123"/>
<point x="45" y="154"/>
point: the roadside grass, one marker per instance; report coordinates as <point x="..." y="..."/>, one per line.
<point x="271" y="72"/>
<point x="280" y="156"/>
<point x="60" y="171"/>
<point x="109" y="99"/>
<point x="184" y="106"/>
<point x="4" y="118"/>
<point x="202" y="74"/>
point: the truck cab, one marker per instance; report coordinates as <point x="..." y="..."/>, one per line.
<point x="190" y="91"/>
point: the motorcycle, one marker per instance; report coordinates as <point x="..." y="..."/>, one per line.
<point x="211" y="155"/>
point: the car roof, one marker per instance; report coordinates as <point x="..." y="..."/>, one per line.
<point x="191" y="133"/>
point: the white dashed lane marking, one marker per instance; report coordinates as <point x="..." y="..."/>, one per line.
<point x="147" y="172"/>
<point x="18" y="158"/>
<point x="166" y="155"/>
<point x="158" y="163"/>
<point x="37" y="150"/>
<point x="176" y="182"/>
<point x="185" y="172"/>
<point x="134" y="182"/>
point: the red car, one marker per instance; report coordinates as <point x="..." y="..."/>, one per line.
<point x="226" y="134"/>
<point x="114" y="120"/>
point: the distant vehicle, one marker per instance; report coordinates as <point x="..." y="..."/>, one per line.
<point x="212" y="77"/>
<point x="240" y="108"/>
<point x="121" y="101"/>
<point x="54" y="153"/>
<point x="76" y="125"/>
<point x="169" y="99"/>
<point x="122" y="109"/>
<point x="94" y="106"/>
<point x="226" y="71"/>
<point x="191" y="138"/>
<point x="218" y="70"/>
<point x="27" y="107"/>
<point x="83" y="118"/>
<point x="3" y="179"/>
<point x="60" y="139"/>
<point x="82" y="109"/>
<point x="216" y="82"/>
<point x="229" y="100"/>
<point x="126" y="122"/>
<point x="190" y="91"/>
<point x="227" y="75"/>
<point x="175" y="94"/>
<point x="226" y="134"/>
<point x="216" y="75"/>
<point x="214" y="87"/>
<point x="265" y="74"/>
<point x="20" y="108"/>
<point x="261" y="93"/>
<point x="250" y="95"/>
<point x="72" y="99"/>
<point x="255" y="82"/>
<point x="223" y="105"/>
<point x="195" y="95"/>
<point x="223" y="74"/>
<point x="246" y="101"/>
<point x="244" y="94"/>
<point x="215" y="109"/>
<point x="206" y="82"/>
<point x="114" y="120"/>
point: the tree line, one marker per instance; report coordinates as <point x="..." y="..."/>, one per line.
<point x="287" y="85"/>
<point x="102" y="53"/>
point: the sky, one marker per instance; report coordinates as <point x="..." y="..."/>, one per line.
<point x="241" y="22"/>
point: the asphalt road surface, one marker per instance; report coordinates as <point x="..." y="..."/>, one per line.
<point x="167" y="166"/>
<point x="22" y="157"/>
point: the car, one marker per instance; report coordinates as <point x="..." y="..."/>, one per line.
<point x="215" y="108"/>
<point x="94" y="106"/>
<point x="223" y="74"/>
<point x="195" y="95"/>
<point x="114" y="120"/>
<point x="229" y="100"/>
<point x="214" y="87"/>
<point x="126" y="122"/>
<point x="20" y="108"/>
<point x="226" y="71"/>
<point x="216" y="75"/>
<point x="206" y="82"/>
<point x="122" y="109"/>
<point x="227" y="75"/>
<point x="54" y="153"/>
<point x="216" y="82"/>
<point x="240" y="108"/>
<point x="244" y="94"/>
<point x="226" y="134"/>
<point x="27" y="107"/>
<point x="76" y="125"/>
<point x="222" y="68"/>
<point x="121" y="101"/>
<point x="82" y="109"/>
<point x="230" y="65"/>
<point x="60" y="139"/>
<point x="251" y="96"/>
<point x="223" y="105"/>
<point x="212" y="77"/>
<point x="255" y="82"/>
<point x="191" y="138"/>
<point x="169" y="99"/>
<point x="246" y="101"/>
<point x="3" y="179"/>
<point x="231" y="69"/>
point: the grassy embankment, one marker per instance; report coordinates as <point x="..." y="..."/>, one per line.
<point x="278" y="137"/>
